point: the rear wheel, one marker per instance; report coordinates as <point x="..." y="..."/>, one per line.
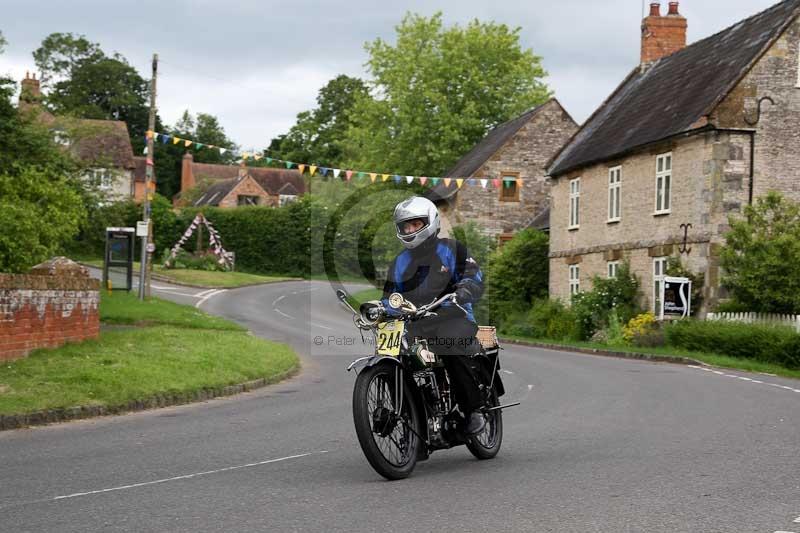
<point x="486" y="444"/>
<point x="385" y="421"/>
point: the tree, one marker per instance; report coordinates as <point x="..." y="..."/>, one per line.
<point x="61" y="54"/>
<point x="318" y="135"/>
<point x="761" y="257"/>
<point x="438" y="91"/>
<point x="3" y="43"/>
<point x="204" y="128"/>
<point x="517" y="274"/>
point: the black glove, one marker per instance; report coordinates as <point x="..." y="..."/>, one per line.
<point x="463" y="296"/>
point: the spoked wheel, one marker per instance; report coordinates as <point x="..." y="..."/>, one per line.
<point x="386" y="419"/>
<point x="486" y="444"/>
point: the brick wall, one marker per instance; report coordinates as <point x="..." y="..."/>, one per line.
<point x="54" y="304"/>
<point x="526" y="155"/>
<point x="248" y="187"/>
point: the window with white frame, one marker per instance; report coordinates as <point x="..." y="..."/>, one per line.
<point x="574" y="280"/>
<point x="663" y="183"/>
<point x="613" y="268"/>
<point x="574" y="203"/>
<point x="285" y="199"/>
<point x="659" y="271"/>
<point x="103" y="178"/>
<point x="614" y="191"/>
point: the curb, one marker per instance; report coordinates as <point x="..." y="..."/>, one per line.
<point x="171" y="281"/>
<point x="675" y="359"/>
<point x="65" y="414"/>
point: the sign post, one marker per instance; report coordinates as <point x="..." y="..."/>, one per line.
<point x="676" y="298"/>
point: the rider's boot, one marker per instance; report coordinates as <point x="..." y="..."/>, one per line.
<point x="475" y="423"/>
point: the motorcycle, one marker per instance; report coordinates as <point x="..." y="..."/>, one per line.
<point x="403" y="406"/>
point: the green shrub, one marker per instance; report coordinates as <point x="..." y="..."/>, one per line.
<point x="593" y="308"/>
<point x="551" y="319"/>
<point x="614" y="335"/>
<point x="480" y="246"/>
<point x="516" y="275"/>
<point x="770" y="344"/>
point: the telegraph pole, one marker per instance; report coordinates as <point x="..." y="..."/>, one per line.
<point x="146" y="255"/>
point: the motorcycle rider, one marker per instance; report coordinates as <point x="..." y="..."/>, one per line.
<point x="431" y="267"/>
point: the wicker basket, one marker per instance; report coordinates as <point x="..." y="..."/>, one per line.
<point x="487" y="335"/>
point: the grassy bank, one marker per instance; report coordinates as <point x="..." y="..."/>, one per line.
<point x="357" y="298"/>
<point x="713" y="359"/>
<point x="202" y="278"/>
<point x="174" y="349"/>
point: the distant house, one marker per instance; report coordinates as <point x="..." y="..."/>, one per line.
<point x="231" y="186"/>
<point x="102" y="146"/>
<point x="690" y="137"/>
<point x="516" y="153"/>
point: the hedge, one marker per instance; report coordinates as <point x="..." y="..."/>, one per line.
<point x="769" y="344"/>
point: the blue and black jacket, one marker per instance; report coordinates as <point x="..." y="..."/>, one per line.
<point x="435" y="268"/>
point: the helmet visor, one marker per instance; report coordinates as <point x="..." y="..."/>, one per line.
<point x="411" y="226"/>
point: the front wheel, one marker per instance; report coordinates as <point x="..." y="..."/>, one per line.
<point x="386" y="421"/>
<point x="486" y="444"/>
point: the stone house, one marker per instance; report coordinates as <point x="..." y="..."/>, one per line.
<point x="516" y="153"/>
<point x="690" y="137"/>
<point x="102" y="146"/>
<point x="231" y="186"/>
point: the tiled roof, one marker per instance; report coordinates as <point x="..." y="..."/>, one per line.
<point x="101" y="142"/>
<point x="274" y="181"/>
<point x="676" y="93"/>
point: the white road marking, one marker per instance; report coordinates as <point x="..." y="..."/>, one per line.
<point x="283" y="314"/>
<point x="186" y="476"/>
<point x="278" y="299"/>
<point x="504" y="371"/>
<point x="319" y="325"/>
<point x="201" y="294"/>
<point x="207" y="296"/>
<point x="784" y="532"/>
<point x="776" y="385"/>
<point x="796" y="520"/>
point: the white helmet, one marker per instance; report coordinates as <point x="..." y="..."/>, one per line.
<point x="414" y="208"/>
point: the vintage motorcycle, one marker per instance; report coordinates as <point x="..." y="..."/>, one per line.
<point x="403" y="407"/>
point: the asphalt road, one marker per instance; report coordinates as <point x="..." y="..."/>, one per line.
<point x="599" y="444"/>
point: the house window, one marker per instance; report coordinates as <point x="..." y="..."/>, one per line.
<point x="614" y="190"/>
<point x="574" y="203"/>
<point x="663" y="183"/>
<point x="61" y="137"/>
<point x="613" y="268"/>
<point x="659" y="271"/>
<point x="284" y="199"/>
<point x="103" y="178"/>
<point x="245" y="199"/>
<point x="574" y="280"/>
<point x="509" y="190"/>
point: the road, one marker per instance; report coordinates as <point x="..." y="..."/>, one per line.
<point x="598" y="444"/>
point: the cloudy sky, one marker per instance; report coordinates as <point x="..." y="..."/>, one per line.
<point x="256" y="64"/>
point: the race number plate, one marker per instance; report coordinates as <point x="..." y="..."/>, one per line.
<point x="390" y="335"/>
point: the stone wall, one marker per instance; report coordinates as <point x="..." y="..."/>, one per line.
<point x="526" y="154"/>
<point x="710" y="181"/>
<point x="55" y="303"/>
<point x="775" y="75"/>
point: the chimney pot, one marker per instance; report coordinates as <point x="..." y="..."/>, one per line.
<point x="655" y="9"/>
<point x="673" y="8"/>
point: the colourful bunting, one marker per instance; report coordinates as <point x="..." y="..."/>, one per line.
<point x="384" y="177"/>
<point x="496" y="183"/>
<point x="435" y="181"/>
<point x="336" y="172"/>
<point x="175" y="140"/>
<point x="397" y="178"/>
<point x="323" y="171"/>
<point x="422" y="180"/>
<point x="301" y="168"/>
<point x="312" y="170"/>
<point x="349" y="174"/>
<point x="447" y="182"/>
<point x="187" y="143"/>
<point x="459" y="182"/>
<point x="484" y="181"/>
<point x="198" y="145"/>
<point x="289" y="164"/>
<point x="222" y="151"/>
<point x="372" y="176"/>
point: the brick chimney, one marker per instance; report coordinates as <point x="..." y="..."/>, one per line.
<point x="31" y="93"/>
<point x="662" y="36"/>
<point x="187" y="176"/>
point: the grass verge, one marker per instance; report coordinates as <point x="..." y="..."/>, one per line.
<point x="181" y="351"/>
<point x="358" y="298"/>
<point x="202" y="278"/>
<point x="718" y="360"/>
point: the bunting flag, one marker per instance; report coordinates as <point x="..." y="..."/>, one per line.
<point x="336" y="172"/>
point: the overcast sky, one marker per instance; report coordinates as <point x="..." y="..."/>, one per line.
<point x="256" y="64"/>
